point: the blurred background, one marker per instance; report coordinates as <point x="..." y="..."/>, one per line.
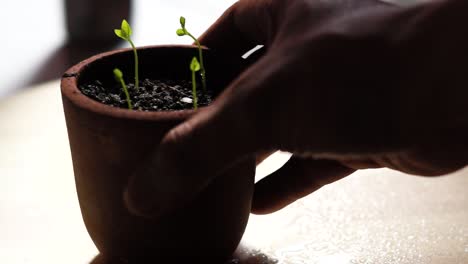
<point x="41" y="39"/>
<point x="373" y="216"/>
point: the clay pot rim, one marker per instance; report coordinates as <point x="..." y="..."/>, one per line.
<point x="69" y="89"/>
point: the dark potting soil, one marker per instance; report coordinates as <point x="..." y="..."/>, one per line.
<point x="152" y="95"/>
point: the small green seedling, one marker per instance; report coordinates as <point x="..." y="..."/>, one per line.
<point x="183" y="32"/>
<point x="124" y="33"/>
<point x="194" y="67"/>
<point x="119" y="77"/>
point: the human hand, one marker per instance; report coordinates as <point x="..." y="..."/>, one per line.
<point x="332" y="88"/>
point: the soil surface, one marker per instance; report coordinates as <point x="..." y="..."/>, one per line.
<point x="152" y="95"/>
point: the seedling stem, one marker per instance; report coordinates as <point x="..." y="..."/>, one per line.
<point x="194" y="67"/>
<point x="119" y="77"/>
<point x="183" y="32"/>
<point x="124" y="33"/>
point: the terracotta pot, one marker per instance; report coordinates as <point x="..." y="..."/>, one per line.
<point x="108" y="143"/>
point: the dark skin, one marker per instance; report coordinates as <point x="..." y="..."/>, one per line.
<point x="341" y="84"/>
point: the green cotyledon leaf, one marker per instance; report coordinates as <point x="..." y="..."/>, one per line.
<point x="194" y="65"/>
<point x="126" y="28"/>
<point x="125" y="31"/>
<point x="181" y="32"/>
<point x="182" y="21"/>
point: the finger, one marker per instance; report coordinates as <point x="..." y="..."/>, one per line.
<point x="263" y="155"/>
<point x="296" y="179"/>
<point x="359" y="164"/>
<point x="243" y="26"/>
<point x="194" y="153"/>
<point x="225" y="35"/>
<point x="425" y="162"/>
<point x="101" y="259"/>
<point x="188" y="158"/>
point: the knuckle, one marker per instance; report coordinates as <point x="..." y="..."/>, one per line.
<point x="173" y="142"/>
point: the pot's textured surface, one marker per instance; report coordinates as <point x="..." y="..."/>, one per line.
<point x="107" y="145"/>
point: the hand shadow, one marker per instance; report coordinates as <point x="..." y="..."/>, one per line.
<point x="242" y="255"/>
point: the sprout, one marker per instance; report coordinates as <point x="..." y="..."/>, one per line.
<point x="182" y="21"/>
<point x="124" y="33"/>
<point x="119" y="77"/>
<point x="183" y="32"/>
<point x="194" y="67"/>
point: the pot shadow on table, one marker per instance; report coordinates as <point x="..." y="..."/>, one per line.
<point x="242" y="255"/>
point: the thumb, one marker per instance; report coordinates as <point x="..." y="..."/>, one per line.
<point x="189" y="157"/>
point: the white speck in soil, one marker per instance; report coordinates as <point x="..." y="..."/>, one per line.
<point x="186" y="100"/>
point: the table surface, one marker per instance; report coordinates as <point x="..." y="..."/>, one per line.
<point x="372" y="216"/>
